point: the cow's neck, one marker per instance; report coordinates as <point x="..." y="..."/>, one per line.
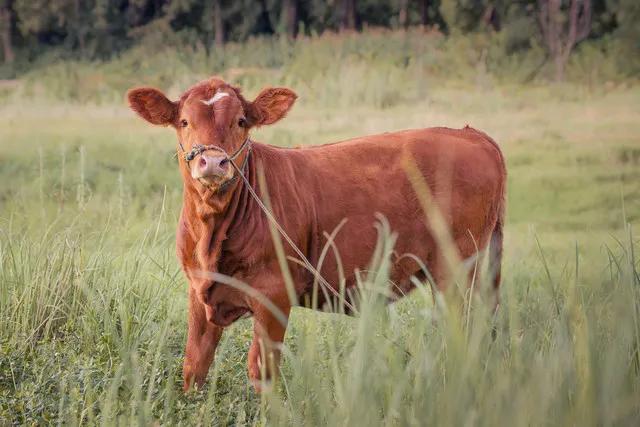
<point x="209" y="215"/>
<point x="214" y="217"/>
<point x="232" y="223"/>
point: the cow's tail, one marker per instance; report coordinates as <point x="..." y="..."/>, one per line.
<point x="495" y="252"/>
<point x="495" y="249"/>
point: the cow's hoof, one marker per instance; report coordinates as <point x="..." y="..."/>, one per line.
<point x="191" y="380"/>
<point x="189" y="385"/>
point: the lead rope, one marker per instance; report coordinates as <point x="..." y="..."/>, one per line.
<point x="304" y="259"/>
<point x="284" y="234"/>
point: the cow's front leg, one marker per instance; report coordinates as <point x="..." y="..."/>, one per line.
<point x="202" y="340"/>
<point x="268" y="334"/>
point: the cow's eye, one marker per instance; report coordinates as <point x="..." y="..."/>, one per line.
<point x="184" y="123"/>
<point x="242" y="122"/>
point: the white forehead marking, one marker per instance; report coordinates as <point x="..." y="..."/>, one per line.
<point x="217" y="97"/>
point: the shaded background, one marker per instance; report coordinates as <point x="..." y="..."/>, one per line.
<point x="35" y="33"/>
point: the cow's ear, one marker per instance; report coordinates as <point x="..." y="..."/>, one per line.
<point x="271" y="105"/>
<point x="153" y="106"/>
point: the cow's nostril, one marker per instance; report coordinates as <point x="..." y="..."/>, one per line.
<point x="202" y="162"/>
<point x="224" y="162"/>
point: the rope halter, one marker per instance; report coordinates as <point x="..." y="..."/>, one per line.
<point x="198" y="149"/>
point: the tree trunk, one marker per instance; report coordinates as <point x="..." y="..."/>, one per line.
<point x="559" y="40"/>
<point x="5" y="34"/>
<point x="424" y="12"/>
<point x="218" y="24"/>
<point x="559" y="64"/>
<point x="79" y="27"/>
<point x="348" y="15"/>
<point x="490" y="17"/>
<point x="289" y="17"/>
<point x="403" y="14"/>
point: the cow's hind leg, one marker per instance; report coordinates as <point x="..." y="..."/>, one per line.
<point x="202" y="339"/>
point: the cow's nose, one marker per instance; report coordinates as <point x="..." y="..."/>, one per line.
<point x="211" y="166"/>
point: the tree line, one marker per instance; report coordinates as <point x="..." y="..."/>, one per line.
<point x="97" y="29"/>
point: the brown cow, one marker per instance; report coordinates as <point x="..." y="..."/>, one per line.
<point x="312" y="190"/>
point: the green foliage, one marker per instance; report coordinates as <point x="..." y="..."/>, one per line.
<point x="461" y="15"/>
<point x="381" y="68"/>
<point x="627" y="15"/>
<point x="91" y="28"/>
<point x="519" y="26"/>
<point x="45" y="31"/>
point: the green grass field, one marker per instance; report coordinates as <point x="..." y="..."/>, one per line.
<point x="93" y="304"/>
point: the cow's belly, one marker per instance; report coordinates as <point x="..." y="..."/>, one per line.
<point x="355" y="246"/>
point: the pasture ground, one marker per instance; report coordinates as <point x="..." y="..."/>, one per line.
<point x="93" y="305"/>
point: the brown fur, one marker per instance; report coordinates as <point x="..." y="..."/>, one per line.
<point x="312" y="190"/>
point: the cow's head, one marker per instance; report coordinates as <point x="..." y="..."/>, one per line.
<point x="211" y="113"/>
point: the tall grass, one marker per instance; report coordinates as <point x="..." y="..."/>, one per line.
<point x="97" y="338"/>
<point x="93" y="325"/>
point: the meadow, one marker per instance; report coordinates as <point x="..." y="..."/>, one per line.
<point x="93" y="303"/>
